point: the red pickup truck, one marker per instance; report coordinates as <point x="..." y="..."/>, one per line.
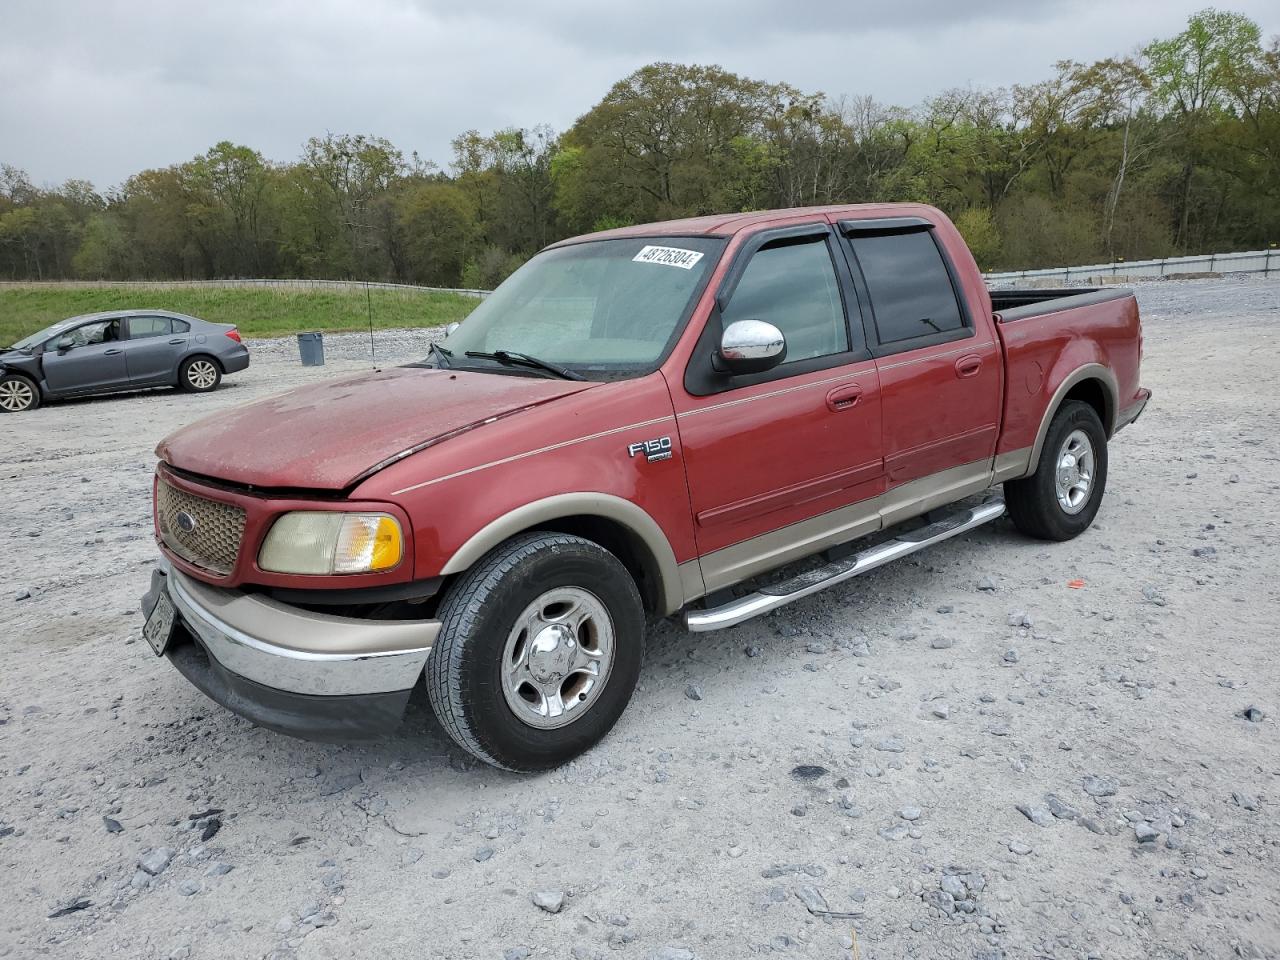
<point x="656" y="420"/>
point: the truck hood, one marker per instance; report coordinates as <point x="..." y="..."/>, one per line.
<point x="329" y="435"/>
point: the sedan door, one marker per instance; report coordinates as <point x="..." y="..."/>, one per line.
<point x="92" y="361"/>
<point x="153" y="349"/>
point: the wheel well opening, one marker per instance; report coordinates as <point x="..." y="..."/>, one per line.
<point x="1095" y="394"/>
<point x="624" y="544"/>
<point x="205" y="356"/>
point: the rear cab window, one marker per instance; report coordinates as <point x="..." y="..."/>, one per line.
<point x="912" y="294"/>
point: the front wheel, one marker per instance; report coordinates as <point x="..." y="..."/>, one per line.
<point x="1061" y="498"/>
<point x="539" y="651"/>
<point x="17" y="393"/>
<point x="199" y="375"/>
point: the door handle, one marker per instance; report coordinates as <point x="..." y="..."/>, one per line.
<point x="968" y="366"/>
<point x="844" y="398"/>
<point x="177" y="340"/>
<point x="112" y="352"/>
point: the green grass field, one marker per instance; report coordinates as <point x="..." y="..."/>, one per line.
<point x="258" y="312"/>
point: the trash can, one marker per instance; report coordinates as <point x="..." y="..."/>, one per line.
<point x="311" y="348"/>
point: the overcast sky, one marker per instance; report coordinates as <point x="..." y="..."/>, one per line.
<point x="100" y="89"/>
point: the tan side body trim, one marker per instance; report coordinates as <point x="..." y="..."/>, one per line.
<point x="675" y="578"/>
<point x="1090" y="371"/>
<point x="760" y="554"/>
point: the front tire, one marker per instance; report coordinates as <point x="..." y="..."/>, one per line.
<point x="18" y="393"/>
<point x="199" y="375"/>
<point x="539" y="651"/>
<point x="1060" y="500"/>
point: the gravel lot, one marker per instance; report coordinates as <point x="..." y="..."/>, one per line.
<point x="961" y="755"/>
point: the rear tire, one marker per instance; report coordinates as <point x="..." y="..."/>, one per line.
<point x="18" y="393"/>
<point x="199" y="374"/>
<point x="511" y="675"/>
<point x="1060" y="500"/>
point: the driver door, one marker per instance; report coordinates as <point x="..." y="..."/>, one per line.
<point x="94" y="361"/>
<point x="783" y="463"/>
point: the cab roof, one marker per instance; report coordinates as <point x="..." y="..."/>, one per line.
<point x="727" y="224"/>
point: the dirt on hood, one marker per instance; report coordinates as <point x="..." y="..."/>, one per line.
<point x="327" y="435"/>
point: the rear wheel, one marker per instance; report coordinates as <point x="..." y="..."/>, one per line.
<point x="199" y="374"/>
<point x="1061" y="498"/>
<point x="539" y="651"/>
<point x="18" y="393"/>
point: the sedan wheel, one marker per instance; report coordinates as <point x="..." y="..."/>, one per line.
<point x="200" y="375"/>
<point x="18" y="394"/>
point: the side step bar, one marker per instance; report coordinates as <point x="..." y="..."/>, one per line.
<point x="775" y="595"/>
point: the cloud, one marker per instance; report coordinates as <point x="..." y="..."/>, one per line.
<point x="103" y="88"/>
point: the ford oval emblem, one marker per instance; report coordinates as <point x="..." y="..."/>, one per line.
<point x="186" y="522"/>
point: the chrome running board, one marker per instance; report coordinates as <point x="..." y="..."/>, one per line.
<point x="775" y="595"/>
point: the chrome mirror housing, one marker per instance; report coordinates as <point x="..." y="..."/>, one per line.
<point x="751" y="346"/>
<point x="450" y="327"/>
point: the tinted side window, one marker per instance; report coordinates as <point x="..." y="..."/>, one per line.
<point x="140" y="327"/>
<point x="181" y="326"/>
<point x="911" y="292"/>
<point x="793" y="286"/>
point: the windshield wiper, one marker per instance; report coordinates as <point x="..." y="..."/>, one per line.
<point x="509" y="358"/>
<point x="443" y="353"/>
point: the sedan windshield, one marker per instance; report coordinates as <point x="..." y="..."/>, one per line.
<point x="40" y="336"/>
<point x="604" y="307"/>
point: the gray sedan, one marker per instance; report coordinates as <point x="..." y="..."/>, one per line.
<point x="120" y="350"/>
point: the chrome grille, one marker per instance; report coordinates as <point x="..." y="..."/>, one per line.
<point x="216" y="529"/>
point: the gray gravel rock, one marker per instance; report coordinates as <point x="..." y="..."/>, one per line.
<point x="552" y="901"/>
<point x="155" y="860"/>
<point x="1099" y="787"/>
<point x="1060" y="808"/>
<point x="1145" y="833"/>
<point x="1040" y="816"/>
<point x="987" y="585"/>
<point x="941" y="643"/>
<point x="1253" y="714"/>
<point x="693" y="691"/>
<point x="189" y="888"/>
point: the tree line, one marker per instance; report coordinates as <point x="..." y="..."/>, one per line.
<point x="1172" y="150"/>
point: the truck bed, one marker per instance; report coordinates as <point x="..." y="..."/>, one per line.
<point x="1015" y="304"/>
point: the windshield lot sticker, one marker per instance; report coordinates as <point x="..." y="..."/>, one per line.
<point x="668" y="257"/>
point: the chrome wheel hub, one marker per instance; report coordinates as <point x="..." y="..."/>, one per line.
<point x="15" y="395"/>
<point x="557" y="657"/>
<point x="1074" y="476"/>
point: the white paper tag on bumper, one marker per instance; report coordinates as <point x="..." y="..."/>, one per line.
<point x="668" y="257"/>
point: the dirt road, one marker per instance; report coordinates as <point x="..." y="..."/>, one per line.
<point x="997" y="748"/>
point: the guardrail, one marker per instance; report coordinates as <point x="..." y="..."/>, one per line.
<point x="1264" y="262"/>
<point x="352" y="286"/>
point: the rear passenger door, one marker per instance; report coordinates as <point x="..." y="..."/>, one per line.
<point x="153" y="347"/>
<point x="940" y="374"/>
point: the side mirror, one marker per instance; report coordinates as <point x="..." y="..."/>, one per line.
<point x="751" y="346"/>
<point x="66" y="343"/>
<point x="450" y="327"/>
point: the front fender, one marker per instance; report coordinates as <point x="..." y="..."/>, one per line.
<point x="606" y="506"/>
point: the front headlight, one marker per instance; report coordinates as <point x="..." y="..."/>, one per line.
<point x="327" y="542"/>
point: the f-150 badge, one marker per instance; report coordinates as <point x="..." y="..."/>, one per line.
<point x="653" y="450"/>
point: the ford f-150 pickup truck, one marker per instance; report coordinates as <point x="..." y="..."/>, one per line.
<point x="709" y="417"/>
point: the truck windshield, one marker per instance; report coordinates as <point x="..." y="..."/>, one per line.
<point x="604" y="308"/>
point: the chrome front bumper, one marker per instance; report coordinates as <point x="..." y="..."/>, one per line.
<point x="298" y="651"/>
